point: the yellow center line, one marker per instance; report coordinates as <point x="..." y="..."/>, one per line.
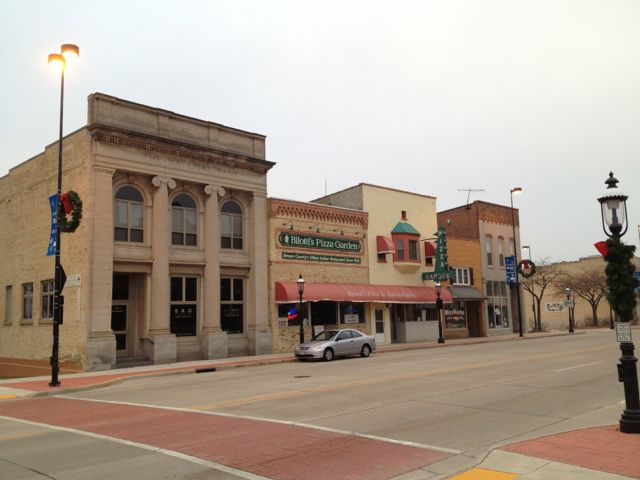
<point x="484" y="474"/>
<point x="392" y="378"/>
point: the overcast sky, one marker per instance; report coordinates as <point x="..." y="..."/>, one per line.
<point x="424" y="96"/>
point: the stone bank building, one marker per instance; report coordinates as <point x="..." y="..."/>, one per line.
<point x="170" y="260"/>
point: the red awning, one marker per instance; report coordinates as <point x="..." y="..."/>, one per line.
<point x="385" y="245"/>
<point x="429" y="249"/>
<point x="287" y="292"/>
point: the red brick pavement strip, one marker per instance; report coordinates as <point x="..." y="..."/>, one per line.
<point x="70" y="383"/>
<point x="605" y="449"/>
<point x="274" y="450"/>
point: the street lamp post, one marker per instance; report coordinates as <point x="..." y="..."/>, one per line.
<point x="300" y="283"/>
<point x="59" y="60"/>
<point x="516" y="190"/>
<point x="439" y="306"/>
<point x="614" y="223"/>
<point x="567" y="293"/>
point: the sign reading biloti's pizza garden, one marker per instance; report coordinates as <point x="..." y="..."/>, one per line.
<point x="287" y="239"/>
<point x="337" y="245"/>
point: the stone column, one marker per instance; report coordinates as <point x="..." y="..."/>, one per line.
<point x="101" y="343"/>
<point x="164" y="343"/>
<point x="214" y="340"/>
<point x="259" y="332"/>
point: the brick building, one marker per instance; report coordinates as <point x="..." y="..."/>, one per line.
<point x="479" y="238"/>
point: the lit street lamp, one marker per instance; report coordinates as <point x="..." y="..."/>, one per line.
<point x="300" y="282"/>
<point x="68" y="53"/>
<point x="613" y="206"/>
<point x="516" y="190"/>
<point x="439" y="307"/>
<point x="567" y="293"/>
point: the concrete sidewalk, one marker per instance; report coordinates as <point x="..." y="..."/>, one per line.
<point x="601" y="452"/>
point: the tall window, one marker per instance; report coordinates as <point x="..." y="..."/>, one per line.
<point x="487" y="246"/>
<point x="8" y="304"/>
<point x="232" y="305"/>
<point x="501" y="251"/>
<point x="27" y="302"/>
<point x="127" y="215"/>
<point x="512" y="248"/>
<point x="47" y="300"/>
<point x="184" y="302"/>
<point x="231" y="225"/>
<point x="183" y="221"/>
<point x="400" y="249"/>
<point x="413" y="250"/>
<point x="497" y="304"/>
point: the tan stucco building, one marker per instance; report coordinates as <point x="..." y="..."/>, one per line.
<point x="170" y="260"/>
<point x="401" y="224"/>
<point x="554" y="314"/>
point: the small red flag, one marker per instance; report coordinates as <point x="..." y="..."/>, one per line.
<point x="602" y="248"/>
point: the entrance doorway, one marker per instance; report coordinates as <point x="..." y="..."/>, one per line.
<point x="379" y="316"/>
<point x="119" y="324"/>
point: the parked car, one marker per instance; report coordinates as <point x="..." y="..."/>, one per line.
<point x="329" y="344"/>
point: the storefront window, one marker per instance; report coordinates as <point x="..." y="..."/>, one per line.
<point x="289" y="312"/>
<point x="498" y="309"/>
<point x="351" y="313"/>
<point x="324" y="313"/>
<point x="455" y="315"/>
<point x="232" y="305"/>
<point x="184" y="296"/>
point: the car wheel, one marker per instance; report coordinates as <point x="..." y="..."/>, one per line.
<point x="366" y="350"/>
<point x="327" y="356"/>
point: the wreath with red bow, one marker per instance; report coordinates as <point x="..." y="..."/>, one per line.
<point x="70" y="203"/>
<point x="526" y="268"/>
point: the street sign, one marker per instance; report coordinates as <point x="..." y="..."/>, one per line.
<point x="568" y="304"/>
<point x="510" y="266"/>
<point x="623" y="332"/>
<point x="53" y="204"/>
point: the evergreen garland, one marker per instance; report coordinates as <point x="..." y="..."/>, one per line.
<point x="620" y="280"/>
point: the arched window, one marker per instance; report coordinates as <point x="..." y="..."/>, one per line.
<point x="183" y="221"/>
<point x="128" y="215"/>
<point x="231" y="225"/>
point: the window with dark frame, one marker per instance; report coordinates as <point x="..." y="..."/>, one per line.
<point x="413" y="250"/>
<point x="400" y="249"/>
<point x="232" y="304"/>
<point x="501" y="251"/>
<point x="184" y="303"/>
<point x="487" y="242"/>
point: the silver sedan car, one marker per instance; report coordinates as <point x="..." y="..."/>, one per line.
<point x="329" y="344"/>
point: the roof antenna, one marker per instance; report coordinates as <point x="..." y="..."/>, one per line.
<point x="469" y="190"/>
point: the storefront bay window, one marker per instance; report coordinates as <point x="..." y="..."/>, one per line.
<point x="455" y="315"/>
<point x="498" y="308"/>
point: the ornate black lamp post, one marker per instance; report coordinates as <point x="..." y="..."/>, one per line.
<point x="621" y="297"/>
<point x="567" y="293"/>
<point x="516" y="190"/>
<point x="300" y="282"/>
<point x="59" y="61"/>
<point x="439" y="307"/>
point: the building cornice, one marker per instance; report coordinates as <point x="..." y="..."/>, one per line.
<point x="313" y="212"/>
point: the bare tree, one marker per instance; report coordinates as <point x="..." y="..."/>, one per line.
<point x="546" y="277"/>
<point x="589" y="284"/>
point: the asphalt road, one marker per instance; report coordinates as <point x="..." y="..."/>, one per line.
<point x="459" y="401"/>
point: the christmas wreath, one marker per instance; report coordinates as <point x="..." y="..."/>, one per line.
<point x="526" y="268"/>
<point x="70" y="203"/>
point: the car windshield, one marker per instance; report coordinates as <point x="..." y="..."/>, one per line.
<point x="326" y="335"/>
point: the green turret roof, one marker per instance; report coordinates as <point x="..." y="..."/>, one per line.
<point x="404" y="227"/>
